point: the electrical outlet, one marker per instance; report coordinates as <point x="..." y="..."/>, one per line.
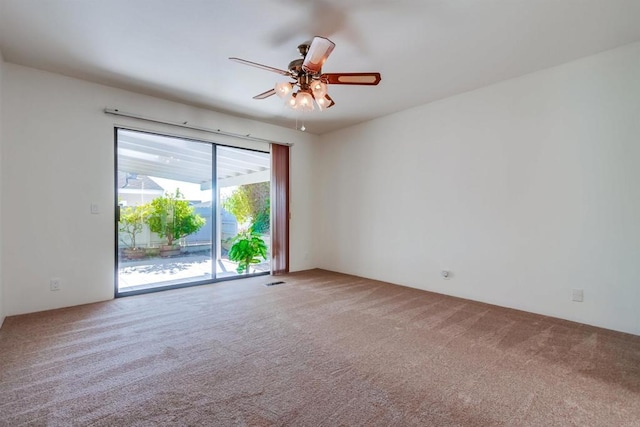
<point x="55" y="284"/>
<point x="577" y="295"/>
<point x="446" y="274"/>
<point x="95" y="208"/>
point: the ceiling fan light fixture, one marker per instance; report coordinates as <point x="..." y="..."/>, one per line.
<point x="325" y="102"/>
<point x="304" y="101"/>
<point x="291" y="102"/>
<point x="283" y="89"/>
<point x="322" y="103"/>
<point x="319" y="89"/>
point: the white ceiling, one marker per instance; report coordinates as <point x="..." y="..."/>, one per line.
<point x="425" y="49"/>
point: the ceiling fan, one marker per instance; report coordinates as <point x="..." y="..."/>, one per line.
<point x="308" y="79"/>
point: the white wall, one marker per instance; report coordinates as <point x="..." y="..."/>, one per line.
<point x="58" y="155"/>
<point x="524" y="190"/>
<point x="1" y="186"/>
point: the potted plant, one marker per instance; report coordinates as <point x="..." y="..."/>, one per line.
<point x="247" y="247"/>
<point x="132" y="220"/>
<point x="171" y="217"/>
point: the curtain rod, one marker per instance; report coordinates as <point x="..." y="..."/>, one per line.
<point x="116" y="112"/>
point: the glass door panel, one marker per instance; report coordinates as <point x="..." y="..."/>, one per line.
<point x="166" y="203"/>
<point x="244" y="219"/>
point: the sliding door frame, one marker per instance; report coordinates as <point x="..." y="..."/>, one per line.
<point x="214" y="213"/>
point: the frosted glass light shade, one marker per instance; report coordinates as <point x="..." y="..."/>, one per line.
<point x="291" y="102"/>
<point x="304" y="101"/>
<point x="319" y="89"/>
<point x="283" y="89"/>
<point x="325" y="102"/>
<point x="322" y="103"/>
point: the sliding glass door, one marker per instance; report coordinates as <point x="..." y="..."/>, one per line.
<point x="245" y="220"/>
<point x="182" y="206"/>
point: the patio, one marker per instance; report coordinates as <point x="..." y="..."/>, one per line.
<point x="159" y="272"/>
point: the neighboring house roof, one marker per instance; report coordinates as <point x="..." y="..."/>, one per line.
<point x="133" y="181"/>
<point x="206" y="204"/>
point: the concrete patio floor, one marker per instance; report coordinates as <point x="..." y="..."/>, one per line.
<point x="154" y="272"/>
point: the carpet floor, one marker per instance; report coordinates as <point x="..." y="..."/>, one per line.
<point x="322" y="349"/>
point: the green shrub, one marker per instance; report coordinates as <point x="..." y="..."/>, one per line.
<point x="250" y="203"/>
<point x="246" y="250"/>
<point x="132" y="219"/>
<point x="262" y="223"/>
<point x="172" y="218"/>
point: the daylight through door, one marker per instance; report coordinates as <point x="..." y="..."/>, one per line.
<point x="177" y="225"/>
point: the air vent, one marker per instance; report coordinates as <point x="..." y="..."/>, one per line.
<point x="273" y="283"/>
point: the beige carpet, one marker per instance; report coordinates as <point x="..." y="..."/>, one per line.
<point x="323" y="349"/>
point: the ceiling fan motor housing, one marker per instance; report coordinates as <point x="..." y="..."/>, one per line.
<point x="295" y="66"/>
<point x="304" y="48"/>
<point x="303" y="78"/>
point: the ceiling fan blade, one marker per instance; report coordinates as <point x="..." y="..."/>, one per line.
<point x="369" y="79"/>
<point x="318" y="53"/>
<point x="266" y="94"/>
<point x="264" y="67"/>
